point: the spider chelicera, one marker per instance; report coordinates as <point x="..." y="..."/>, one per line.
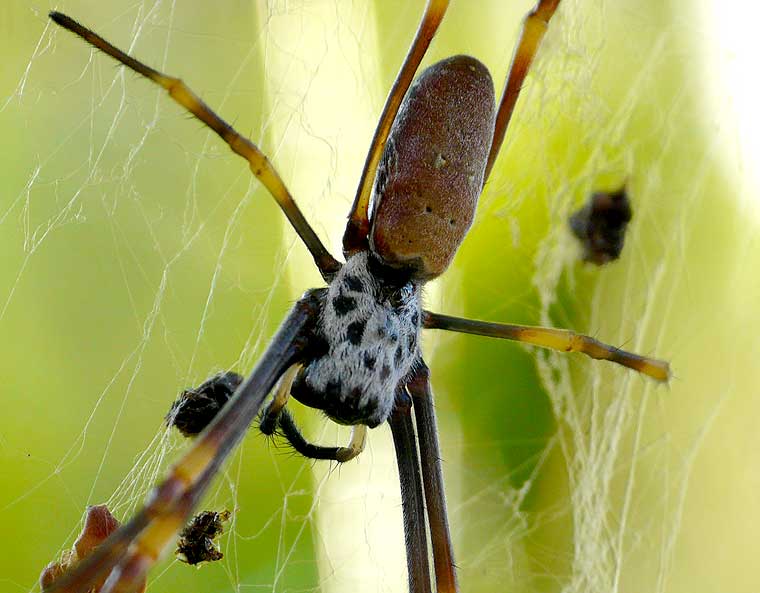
<point x="351" y="349"/>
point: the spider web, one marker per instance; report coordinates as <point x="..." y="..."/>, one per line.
<point x="139" y="257"/>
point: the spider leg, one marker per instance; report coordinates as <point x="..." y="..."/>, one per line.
<point x="355" y="236"/>
<point x="432" y="479"/>
<point x="275" y="419"/>
<point x="271" y="414"/>
<point x="130" y="551"/>
<point x="259" y="163"/>
<point x="534" y="27"/>
<point x="412" y="501"/>
<point x="562" y="340"/>
<point x="288" y="429"/>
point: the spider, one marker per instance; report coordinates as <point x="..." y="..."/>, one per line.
<point x="351" y="348"/>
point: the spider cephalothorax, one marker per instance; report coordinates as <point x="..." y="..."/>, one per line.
<point x="368" y="330"/>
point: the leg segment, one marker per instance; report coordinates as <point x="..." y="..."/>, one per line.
<point x="271" y="415"/>
<point x="127" y="554"/>
<point x="259" y="163"/>
<point x="288" y="429"/>
<point x="355" y="236"/>
<point x="412" y="502"/>
<point x="432" y="479"/>
<point x="534" y="27"/>
<point x="562" y="340"/>
<point x="277" y="420"/>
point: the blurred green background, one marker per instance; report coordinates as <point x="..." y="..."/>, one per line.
<point x="138" y="257"/>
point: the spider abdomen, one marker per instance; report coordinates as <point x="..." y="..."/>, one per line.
<point x="371" y="331"/>
<point x="432" y="170"/>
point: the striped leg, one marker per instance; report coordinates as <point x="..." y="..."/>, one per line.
<point x="130" y="552"/>
<point x="432" y="480"/>
<point x="258" y="162"/>
<point x="412" y="501"/>
<point x="562" y="340"/>
<point x="534" y="27"/>
<point x="355" y="236"/>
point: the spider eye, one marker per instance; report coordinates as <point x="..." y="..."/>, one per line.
<point x="431" y="173"/>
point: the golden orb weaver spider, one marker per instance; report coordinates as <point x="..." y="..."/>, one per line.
<point x="149" y="531"/>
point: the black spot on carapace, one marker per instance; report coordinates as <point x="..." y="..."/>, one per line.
<point x="302" y="391"/>
<point x="369" y="361"/>
<point x="355" y="331"/>
<point x="385" y="372"/>
<point x="388" y="330"/>
<point x="353" y="283"/>
<point x="333" y="388"/>
<point x="317" y="346"/>
<point x="351" y="410"/>
<point x="370" y="409"/>
<point x="389" y="278"/>
<point x="411" y="341"/>
<point x="343" y="305"/>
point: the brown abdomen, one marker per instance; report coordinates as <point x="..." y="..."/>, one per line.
<point x="431" y="173"/>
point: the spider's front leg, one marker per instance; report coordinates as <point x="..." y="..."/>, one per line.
<point x="562" y="340"/>
<point x="129" y="553"/>
<point x="412" y="499"/>
<point x="419" y="388"/>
